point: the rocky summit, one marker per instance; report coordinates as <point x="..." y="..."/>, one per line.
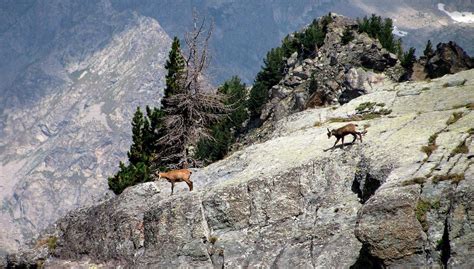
<point x="401" y="197"/>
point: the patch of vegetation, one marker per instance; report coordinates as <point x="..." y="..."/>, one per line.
<point x="428" y="150"/>
<point x="318" y="124"/>
<point x="408" y="58"/>
<point x="454" y="178"/>
<point x="50" y="242"/>
<point x="422" y="208"/>
<point x="470" y="131"/>
<point x="347" y="36"/>
<point x="424" y="89"/>
<point x="431" y="147"/>
<point x="460" y="149"/>
<point x="313" y="84"/>
<point x="382" y="30"/>
<point x="366" y="106"/>
<point x="413" y="181"/>
<point x="213" y="239"/>
<point x="145" y="133"/>
<point x="436" y="204"/>
<point x="225" y="132"/>
<point x="372" y="108"/>
<point x="432" y="139"/>
<point x="454" y="118"/>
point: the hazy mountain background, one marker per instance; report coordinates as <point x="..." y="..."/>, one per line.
<point x="72" y="73"/>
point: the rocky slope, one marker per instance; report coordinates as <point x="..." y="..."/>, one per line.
<point x="403" y="197"/>
<point x="65" y="121"/>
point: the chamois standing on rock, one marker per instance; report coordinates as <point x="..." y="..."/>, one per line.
<point x="174" y="176"/>
<point x="343" y="131"/>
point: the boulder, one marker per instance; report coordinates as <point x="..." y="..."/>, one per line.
<point x="448" y="58"/>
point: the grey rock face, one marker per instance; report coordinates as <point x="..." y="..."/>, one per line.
<point x="292" y="201"/>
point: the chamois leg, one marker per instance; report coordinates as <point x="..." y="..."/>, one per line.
<point x="360" y="136"/>
<point x="172" y="188"/>
<point x="355" y="138"/>
<point x="337" y="140"/>
<point x="190" y="184"/>
<point x="342" y="145"/>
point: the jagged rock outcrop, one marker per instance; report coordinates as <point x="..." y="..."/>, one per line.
<point x="401" y="198"/>
<point x="448" y="58"/>
<point x="336" y="74"/>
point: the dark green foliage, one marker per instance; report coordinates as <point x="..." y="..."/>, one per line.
<point x="408" y="58"/>
<point x="428" y="52"/>
<point x="129" y="175"/>
<point x="145" y="133"/>
<point x="313" y="84"/>
<point x="224" y="133"/>
<point x="136" y="153"/>
<point x="382" y="30"/>
<point x="175" y="66"/>
<point x="347" y="36"/>
<point x="271" y="74"/>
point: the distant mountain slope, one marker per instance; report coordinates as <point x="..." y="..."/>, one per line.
<point x="66" y="115"/>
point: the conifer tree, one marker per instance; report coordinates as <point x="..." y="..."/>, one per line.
<point x="175" y="66"/>
<point x="428" y="52"/>
<point x="144" y="149"/>
<point x="225" y="132"/>
<point x="408" y="59"/>
<point x="136" y="153"/>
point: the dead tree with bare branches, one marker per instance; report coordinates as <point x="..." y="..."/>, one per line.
<point x="191" y="110"/>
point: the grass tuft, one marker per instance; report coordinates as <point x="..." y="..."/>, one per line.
<point x="460" y="149"/>
<point x="413" y="181"/>
<point x="422" y="208"/>
<point x="454" y="178"/>
<point x="454" y="118"/>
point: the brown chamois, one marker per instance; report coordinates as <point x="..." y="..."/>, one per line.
<point x="174" y="176"/>
<point x="343" y="131"/>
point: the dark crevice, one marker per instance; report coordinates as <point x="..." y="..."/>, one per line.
<point x="444" y="246"/>
<point x="367" y="260"/>
<point x="365" y="185"/>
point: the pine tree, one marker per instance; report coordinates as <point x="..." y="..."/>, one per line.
<point x="175" y="66"/>
<point x="408" y="58"/>
<point x="144" y="149"/>
<point x="224" y="133"/>
<point x="428" y="52"/>
<point x="270" y="75"/>
<point x="136" y="153"/>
